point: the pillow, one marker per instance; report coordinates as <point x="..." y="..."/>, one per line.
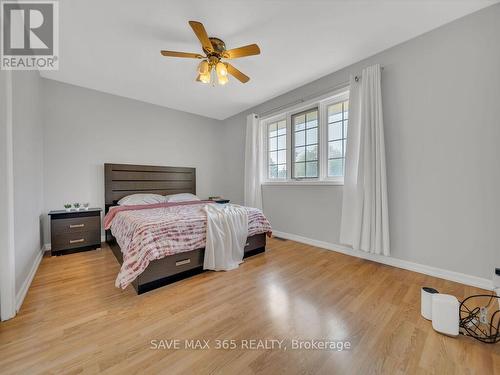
<point x="184" y="197"/>
<point x="136" y="199"/>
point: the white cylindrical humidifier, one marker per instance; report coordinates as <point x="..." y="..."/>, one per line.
<point x="426" y="302"/>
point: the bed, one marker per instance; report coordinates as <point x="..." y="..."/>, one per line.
<point x="124" y="179"/>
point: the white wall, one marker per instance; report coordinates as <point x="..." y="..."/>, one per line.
<point x="441" y="96"/>
<point x="85" y="129"/>
<point x="28" y="171"/>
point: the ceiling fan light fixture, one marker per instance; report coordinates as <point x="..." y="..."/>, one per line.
<point x="203" y="67"/>
<point x="221" y="69"/>
<point x="211" y="66"/>
<point x="222" y="80"/>
<point x="204" y="77"/>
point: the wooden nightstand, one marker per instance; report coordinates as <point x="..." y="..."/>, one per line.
<point x="75" y="231"/>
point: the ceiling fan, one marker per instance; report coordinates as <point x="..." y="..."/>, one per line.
<point x="215" y="51"/>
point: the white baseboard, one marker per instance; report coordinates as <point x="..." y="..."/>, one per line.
<point x="27" y="282"/>
<point x="458" y="277"/>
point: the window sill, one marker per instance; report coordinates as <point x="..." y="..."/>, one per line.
<point x="304" y="183"/>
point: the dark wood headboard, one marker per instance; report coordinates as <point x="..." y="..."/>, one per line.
<point x="121" y="180"/>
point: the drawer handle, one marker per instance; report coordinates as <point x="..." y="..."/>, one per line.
<point x="76" y="241"/>
<point x="76" y="225"/>
<point x="182" y="262"/>
<point x="247" y="244"/>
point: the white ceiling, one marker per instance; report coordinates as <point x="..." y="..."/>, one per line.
<point x="114" y="45"/>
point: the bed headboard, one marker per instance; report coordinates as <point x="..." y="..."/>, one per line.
<point x="121" y="180"/>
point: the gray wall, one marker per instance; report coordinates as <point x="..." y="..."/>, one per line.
<point x="85" y="129"/>
<point x="4" y="215"/>
<point x="441" y="95"/>
<point x="3" y="157"/>
<point x="27" y="143"/>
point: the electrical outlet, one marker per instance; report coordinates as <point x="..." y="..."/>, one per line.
<point x="483" y="315"/>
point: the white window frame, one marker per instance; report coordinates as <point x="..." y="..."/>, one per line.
<point x="322" y="104"/>
<point x="292" y="143"/>
<point x="338" y="99"/>
<point x="266" y="123"/>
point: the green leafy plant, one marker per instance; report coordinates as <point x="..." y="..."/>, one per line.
<point x="67" y="206"/>
<point x="76" y="205"/>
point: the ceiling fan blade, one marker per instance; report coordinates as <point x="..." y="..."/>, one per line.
<point x="237" y="74"/>
<point x="202" y="35"/>
<point x="250" y="50"/>
<point x="182" y="54"/>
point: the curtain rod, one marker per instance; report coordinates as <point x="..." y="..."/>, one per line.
<point x="357" y="78"/>
<point x="305" y="98"/>
<point x="311" y="96"/>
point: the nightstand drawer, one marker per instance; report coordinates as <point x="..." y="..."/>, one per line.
<point x="75" y="225"/>
<point x="73" y="240"/>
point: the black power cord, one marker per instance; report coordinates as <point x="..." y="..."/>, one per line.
<point x="474" y="323"/>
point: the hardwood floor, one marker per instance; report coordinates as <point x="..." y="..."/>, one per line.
<point x="75" y="321"/>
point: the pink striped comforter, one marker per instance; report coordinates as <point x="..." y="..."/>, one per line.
<point x="150" y="232"/>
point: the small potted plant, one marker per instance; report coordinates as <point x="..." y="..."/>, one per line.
<point x="77" y="206"/>
<point x="86" y="206"/>
<point x="67" y="206"/>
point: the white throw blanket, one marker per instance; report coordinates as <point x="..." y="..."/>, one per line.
<point x="227" y="231"/>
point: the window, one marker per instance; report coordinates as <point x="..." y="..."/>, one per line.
<point x="277" y="149"/>
<point x="306" y="144"/>
<point x="337" y="118"/>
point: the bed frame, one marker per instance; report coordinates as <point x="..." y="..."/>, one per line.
<point x="121" y="180"/>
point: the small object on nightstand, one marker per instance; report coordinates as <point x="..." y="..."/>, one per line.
<point x="75" y="231"/>
<point x="218" y="199"/>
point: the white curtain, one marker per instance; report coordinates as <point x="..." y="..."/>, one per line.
<point x="253" y="162"/>
<point x="365" y="219"/>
